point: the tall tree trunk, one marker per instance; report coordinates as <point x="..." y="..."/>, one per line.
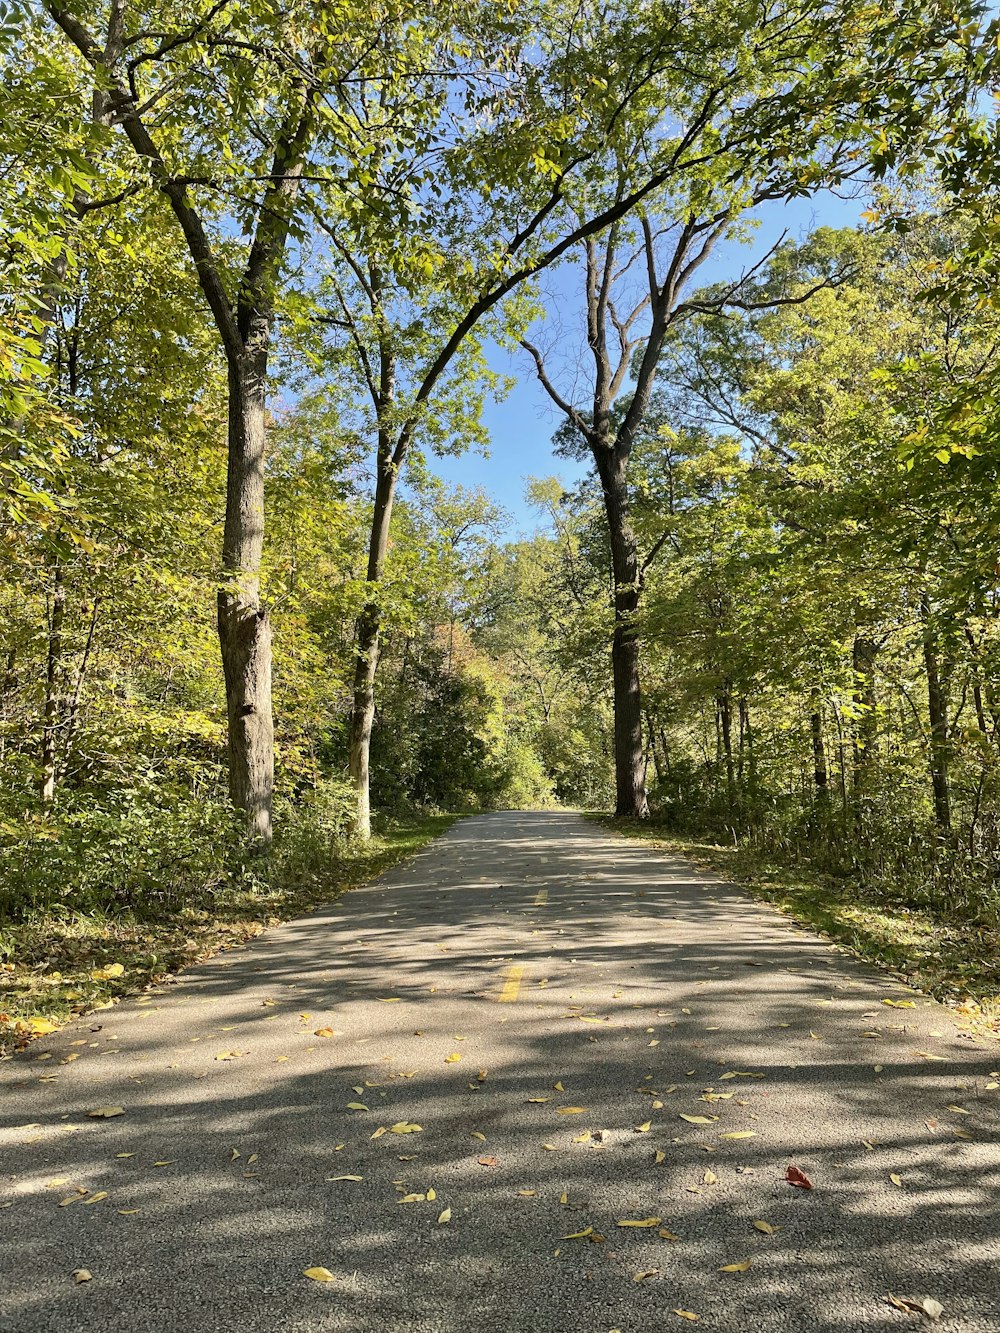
<point x="820" y="775"/>
<point x="937" y="711"/>
<point x="244" y="625"/>
<point x="864" y="737"/>
<point x="53" y="687"/>
<point x="367" y="647"/>
<point x="724" y="701"/>
<point x="630" y="792"/>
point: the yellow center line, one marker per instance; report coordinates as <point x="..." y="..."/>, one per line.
<point x="512" y="986"/>
<point x="542" y="897"/>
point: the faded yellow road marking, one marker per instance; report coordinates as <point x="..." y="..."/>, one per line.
<point x="512" y="986"/>
<point x="542" y="897"/>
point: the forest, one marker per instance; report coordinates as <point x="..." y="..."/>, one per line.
<point x="262" y="268"/>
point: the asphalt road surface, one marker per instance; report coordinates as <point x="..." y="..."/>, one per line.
<point x="586" y="1032"/>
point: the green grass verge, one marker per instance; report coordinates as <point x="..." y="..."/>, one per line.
<point x="953" y="960"/>
<point x="59" y="966"/>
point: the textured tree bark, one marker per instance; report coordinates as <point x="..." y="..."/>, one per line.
<point x="864" y="653"/>
<point x="367" y="636"/>
<point x="725" y="706"/>
<point x="630" y="790"/>
<point x="244" y="627"/>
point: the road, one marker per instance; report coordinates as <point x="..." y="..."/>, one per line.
<point x="586" y="1032"/>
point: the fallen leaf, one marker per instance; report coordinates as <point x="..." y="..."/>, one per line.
<point x="96" y="1198"/>
<point x="453" y="1058"/>
<point x="378" y="1133"/>
<point x="741" y="1267"/>
<point x="345" y="1177"/>
<point x="431" y="1195"/>
<point x="900" y="1004"/>
<point x="645" y="1127"/>
<point x="537" y="1100"/>
<point x="444" y="1216"/>
<point x="475" y="1134"/>
<point x="740" y="1134"/>
<point x="698" y="1119"/>
<point x="661" y="1156"/>
<point x="82" y="1274"/>
<point x="356" y="1106"/>
<point x="578" y="1235"/>
<point x="412" y="1198"/>
<point x="647" y="1272"/>
<point x="896" y="1180"/>
<point x="766" y="1227"/>
<point x="486" y="1161"/>
<point x="796" y="1177"/>
<point x="105" y="1112"/>
<point x="405" y="1127"/>
<point x="686" y="1314"/>
<point x="664" y="1234"/>
<point x="389" y="999"/>
<point x="319" y="1274"/>
<point x="640" y="1222"/>
<point x="571" y="1110"/>
<point x="323" y="1032"/>
<point x="928" y="1305"/>
<point x="709" y="1178"/>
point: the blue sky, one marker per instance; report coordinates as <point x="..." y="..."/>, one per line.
<point x="521" y="427"/>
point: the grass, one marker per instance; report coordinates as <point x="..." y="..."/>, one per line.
<point x="954" y="960"/>
<point x="61" y="965"/>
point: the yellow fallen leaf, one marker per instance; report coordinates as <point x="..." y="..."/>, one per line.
<point x="558" y="1087"/>
<point x="667" y="1235"/>
<point x="698" y="1119"/>
<point x="645" y="1127"/>
<point x="127" y="1212"/>
<point x="453" y="1058"/>
<point x="647" y="1272"/>
<point x="959" y="1110"/>
<point x="528" y="1194"/>
<point x="323" y="1032"/>
<point x="741" y="1267"/>
<point x="444" y="1216"/>
<point x="900" y="1004"/>
<point x="549" y="1147"/>
<point x="640" y="1222"/>
<point x="537" y="1100"/>
<point x="661" y="1156"/>
<point x="896" y="1180"/>
<point x="96" y="1198"/>
<point x="405" y="1127"/>
<point x="82" y="1274"/>
<point x="582" y="1138"/>
<point x="766" y="1227"/>
<point x="571" y="1110"/>
<point x="431" y="1195"/>
<point x="345" y="1177"/>
<point x="475" y="1134"/>
<point x="578" y="1235"/>
<point x="356" y="1106"/>
<point x="687" y="1314"/>
<point x="926" y="1055"/>
<point x="739" y="1134"/>
<point x="169" y="1162"/>
<point x="105" y="1112"/>
<point x="389" y="999"/>
<point x="709" y="1178"/>
<point x="319" y="1274"/>
<point x="412" y="1198"/>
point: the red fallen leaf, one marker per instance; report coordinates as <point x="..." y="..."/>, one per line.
<point x="796" y="1177"/>
<point x="487" y="1161"/>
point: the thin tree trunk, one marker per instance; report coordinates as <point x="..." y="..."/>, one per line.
<point x="244" y="625"/>
<point x="367" y="647"/>
<point x="724" y="699"/>
<point x="53" y="677"/>
<point x="937" y="711"/>
<point x="630" y="791"/>
<point x="820" y="775"/>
